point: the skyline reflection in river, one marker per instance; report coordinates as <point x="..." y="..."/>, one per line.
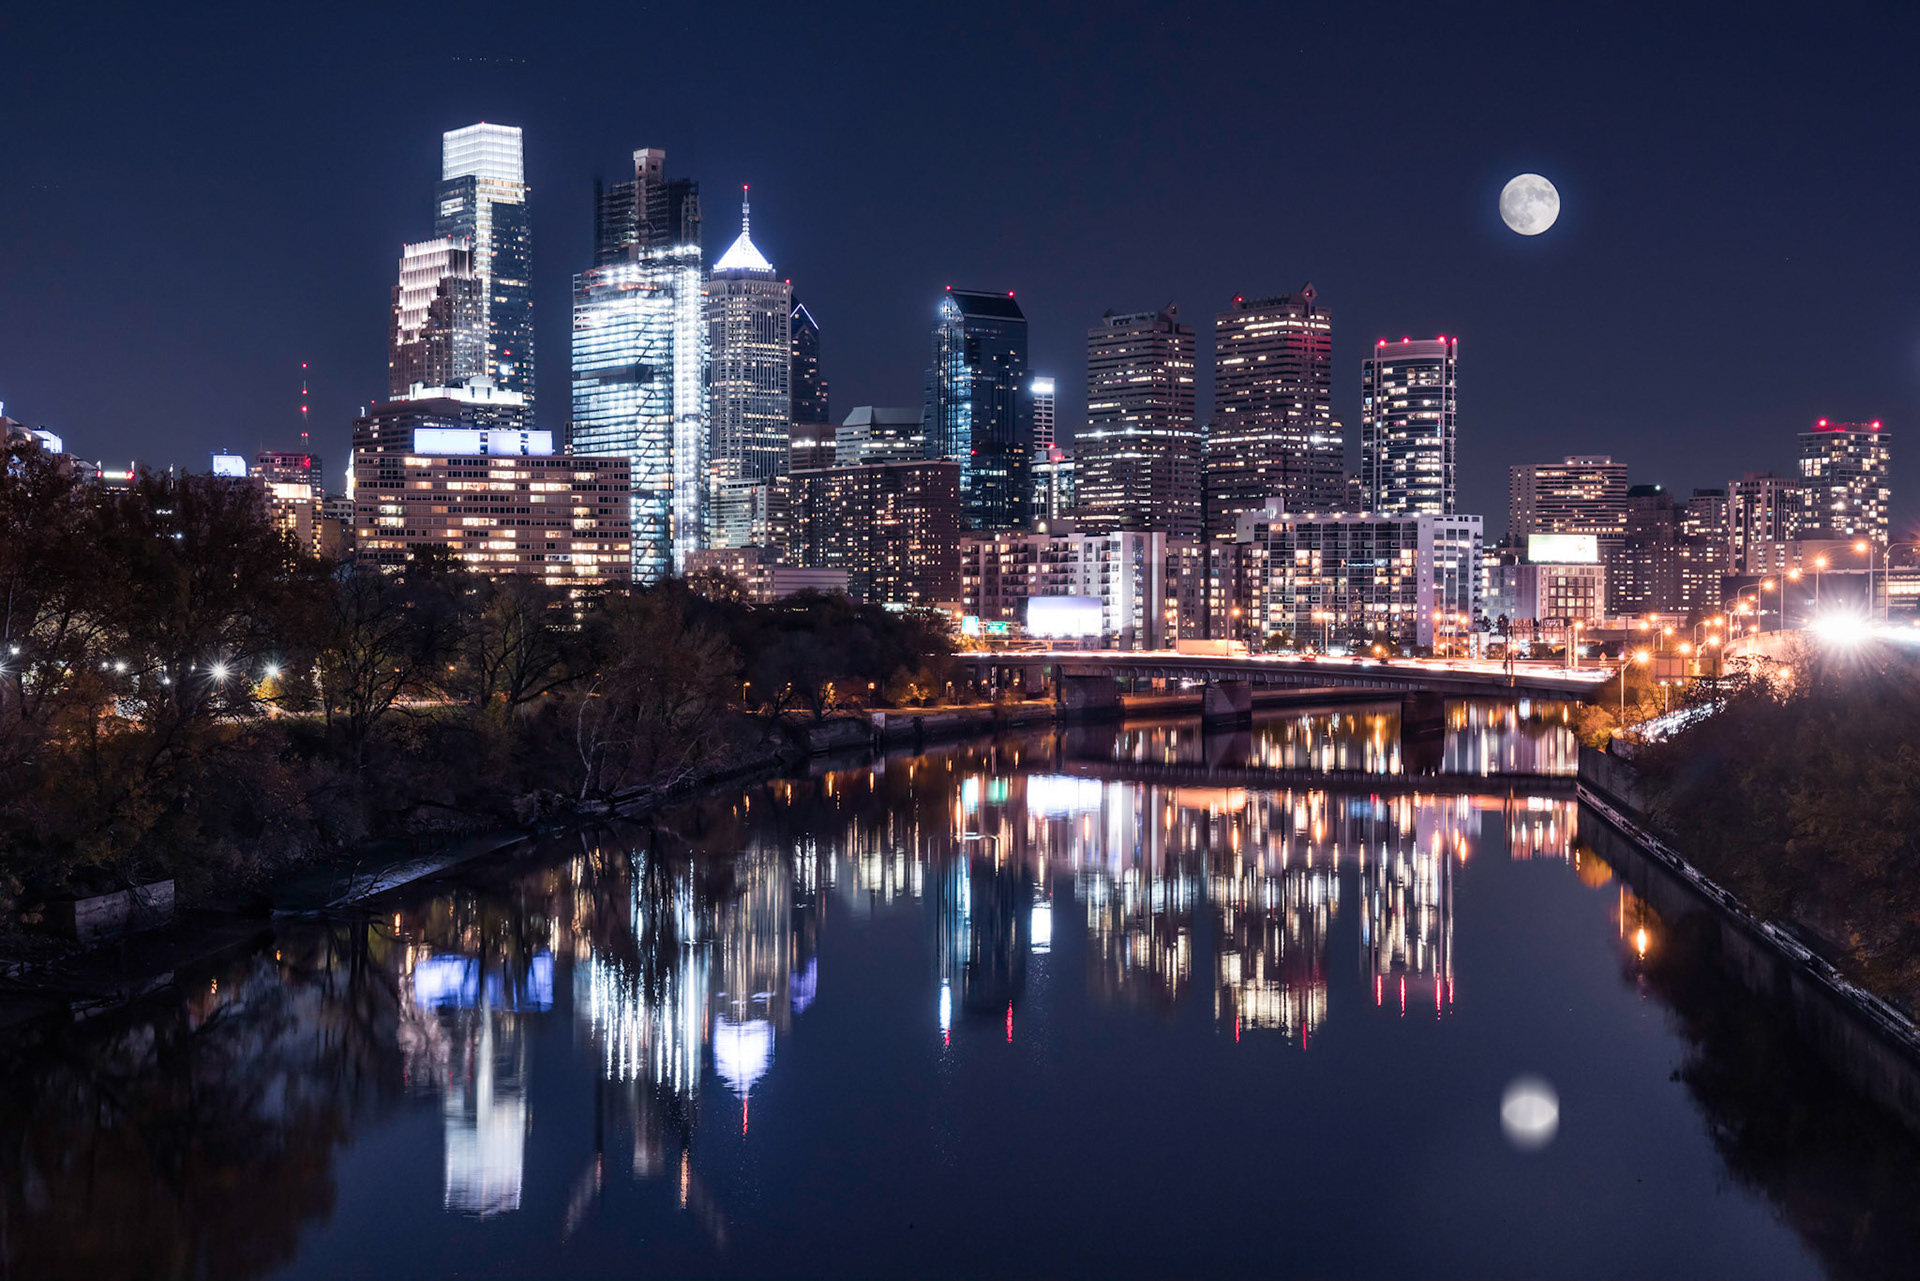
<point x="829" y="1023"/>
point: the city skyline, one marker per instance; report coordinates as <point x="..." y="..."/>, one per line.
<point x="1533" y="314"/>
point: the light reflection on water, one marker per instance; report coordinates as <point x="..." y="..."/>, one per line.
<point x="668" y="990"/>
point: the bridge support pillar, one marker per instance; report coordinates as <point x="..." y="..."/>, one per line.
<point x="1423" y="732"/>
<point x="1224" y="704"/>
<point x="1089" y="698"/>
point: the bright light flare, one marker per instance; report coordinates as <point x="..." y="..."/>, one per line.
<point x="1842" y="629"/>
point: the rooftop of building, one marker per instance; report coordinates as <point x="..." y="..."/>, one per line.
<point x="990" y="306"/>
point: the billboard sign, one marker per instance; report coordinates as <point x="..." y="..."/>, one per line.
<point x="1065" y="617"/>
<point x="1563" y="549"/>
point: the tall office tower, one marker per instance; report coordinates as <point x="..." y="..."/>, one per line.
<point x="808" y="382"/>
<point x="640" y="360"/>
<point x="482" y="199"/>
<point x="1762" y="509"/>
<point x="1137" y="465"/>
<point x="1043" y="416"/>
<point x="1843" y="480"/>
<point x="1408" y="398"/>
<point x="651" y="211"/>
<point x="1273" y="435"/>
<point x="750" y="358"/>
<point x="976" y="411"/>
<point x="438" y="337"/>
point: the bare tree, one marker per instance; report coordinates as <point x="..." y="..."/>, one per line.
<point x="649" y="719"/>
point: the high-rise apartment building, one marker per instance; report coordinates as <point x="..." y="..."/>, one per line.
<point x="1582" y="494"/>
<point x="750" y="360"/>
<point x="807" y="379"/>
<point x="1273" y="435"/>
<point x="1043" y="415"/>
<point x="894" y="528"/>
<point x="1000" y="573"/>
<point x="1408" y="398"/>
<point x="1762" y="508"/>
<point x="1137" y="464"/>
<point x="1346" y="579"/>
<point x="977" y="410"/>
<point x="1704" y="516"/>
<point x="438" y="333"/>
<point x="482" y="200"/>
<point x="640" y="360"/>
<point x="1843" y="480"/>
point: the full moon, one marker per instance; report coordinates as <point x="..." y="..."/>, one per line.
<point x="1529" y="204"/>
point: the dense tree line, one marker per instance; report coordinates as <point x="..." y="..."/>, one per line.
<point x="184" y="692"/>
<point x="1801" y="793"/>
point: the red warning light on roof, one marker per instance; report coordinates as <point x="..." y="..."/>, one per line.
<point x="1009" y="293"/>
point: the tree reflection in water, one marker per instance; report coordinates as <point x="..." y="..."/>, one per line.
<point x="196" y="1137"/>
<point x="1845" y="1175"/>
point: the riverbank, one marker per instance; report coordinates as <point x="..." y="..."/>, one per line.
<point x="1868" y="1043"/>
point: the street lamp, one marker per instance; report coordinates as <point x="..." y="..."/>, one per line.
<point x="1866" y="545"/>
<point x="1819" y="564"/>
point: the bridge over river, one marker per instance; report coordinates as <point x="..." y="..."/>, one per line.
<point x="1090" y="679"/>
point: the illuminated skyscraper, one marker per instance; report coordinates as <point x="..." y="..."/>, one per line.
<point x="1408" y="397"/>
<point x="482" y="199"/>
<point x="807" y="380"/>
<point x="640" y="360"/>
<point x="1137" y="465"/>
<point x="1843" y="480"/>
<point x="1273" y="435"/>
<point x="438" y="336"/>
<point x="977" y="412"/>
<point x="750" y="352"/>
<point x="1043" y="416"/>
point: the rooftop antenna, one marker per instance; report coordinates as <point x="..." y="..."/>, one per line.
<point x="303" y="407"/>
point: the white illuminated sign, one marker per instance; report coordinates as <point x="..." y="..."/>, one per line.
<point x="229" y="465"/>
<point x="454" y="441"/>
<point x="1061" y="617"/>
<point x="1563" y="549"/>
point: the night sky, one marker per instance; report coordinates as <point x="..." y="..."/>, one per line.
<point x="194" y="201"/>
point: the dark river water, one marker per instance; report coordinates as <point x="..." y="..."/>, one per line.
<point x="1092" y="1003"/>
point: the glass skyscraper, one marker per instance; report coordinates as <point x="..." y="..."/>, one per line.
<point x="976" y="405"/>
<point x="640" y="361"/>
<point x="438" y="336"/>
<point x="1408" y="397"/>
<point x="807" y="380"/>
<point x="482" y="199"/>
<point x="750" y="354"/>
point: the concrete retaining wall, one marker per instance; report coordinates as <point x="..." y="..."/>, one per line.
<point x="1868" y="1043"/>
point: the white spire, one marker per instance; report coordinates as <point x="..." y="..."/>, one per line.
<point x="743" y="256"/>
